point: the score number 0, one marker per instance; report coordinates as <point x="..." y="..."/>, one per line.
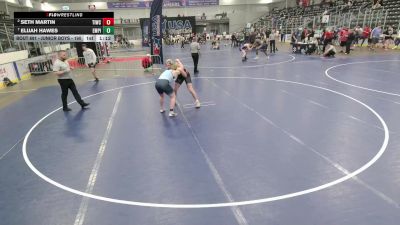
<point x="108" y="25"/>
<point x="108" y="21"/>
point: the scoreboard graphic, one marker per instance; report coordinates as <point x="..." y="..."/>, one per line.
<point x="63" y="26"/>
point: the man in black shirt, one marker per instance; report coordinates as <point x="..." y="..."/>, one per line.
<point x="350" y="39"/>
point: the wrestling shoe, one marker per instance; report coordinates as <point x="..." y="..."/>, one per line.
<point x="172" y="114"/>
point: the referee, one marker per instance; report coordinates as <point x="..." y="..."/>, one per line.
<point x="62" y="69"/>
<point x="195" y="50"/>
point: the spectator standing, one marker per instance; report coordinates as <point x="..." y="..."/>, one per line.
<point x="311" y="35"/>
<point x="343" y="36"/>
<point x="234" y="40"/>
<point x="358" y="31"/>
<point x="328" y="37"/>
<point x="277" y="36"/>
<point x="366" y="35"/>
<point x="293" y="39"/>
<point x="304" y="35"/>
<point x="272" y="41"/>
<point x="283" y="36"/>
<point x="375" y="36"/>
<point x="397" y="40"/>
<point x="388" y="36"/>
<point x="350" y="39"/>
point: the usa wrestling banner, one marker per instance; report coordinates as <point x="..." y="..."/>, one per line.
<point x="155" y="31"/>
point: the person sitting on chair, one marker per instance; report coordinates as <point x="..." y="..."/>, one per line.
<point x="7" y="82"/>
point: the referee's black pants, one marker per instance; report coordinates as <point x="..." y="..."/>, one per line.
<point x="195" y="57"/>
<point x="348" y="46"/>
<point x="272" y="46"/>
<point x="66" y="84"/>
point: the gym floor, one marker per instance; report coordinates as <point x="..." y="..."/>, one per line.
<point x="292" y="139"/>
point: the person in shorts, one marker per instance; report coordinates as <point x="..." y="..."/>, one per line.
<point x="188" y="80"/>
<point x="244" y="49"/>
<point x="259" y="45"/>
<point x="375" y="36"/>
<point x="163" y="86"/>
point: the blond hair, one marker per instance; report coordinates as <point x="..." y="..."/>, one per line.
<point x="174" y="66"/>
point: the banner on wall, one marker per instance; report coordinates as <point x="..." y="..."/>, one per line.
<point x="7" y="70"/>
<point x="166" y="4"/>
<point x="155" y="30"/>
<point x="145" y="28"/>
<point x="178" y="25"/>
<point x="172" y="26"/>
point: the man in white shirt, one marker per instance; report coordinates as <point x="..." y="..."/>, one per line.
<point x="63" y="71"/>
<point x="182" y="42"/>
<point x="90" y="60"/>
<point x="195" y="50"/>
<point x="272" y="37"/>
